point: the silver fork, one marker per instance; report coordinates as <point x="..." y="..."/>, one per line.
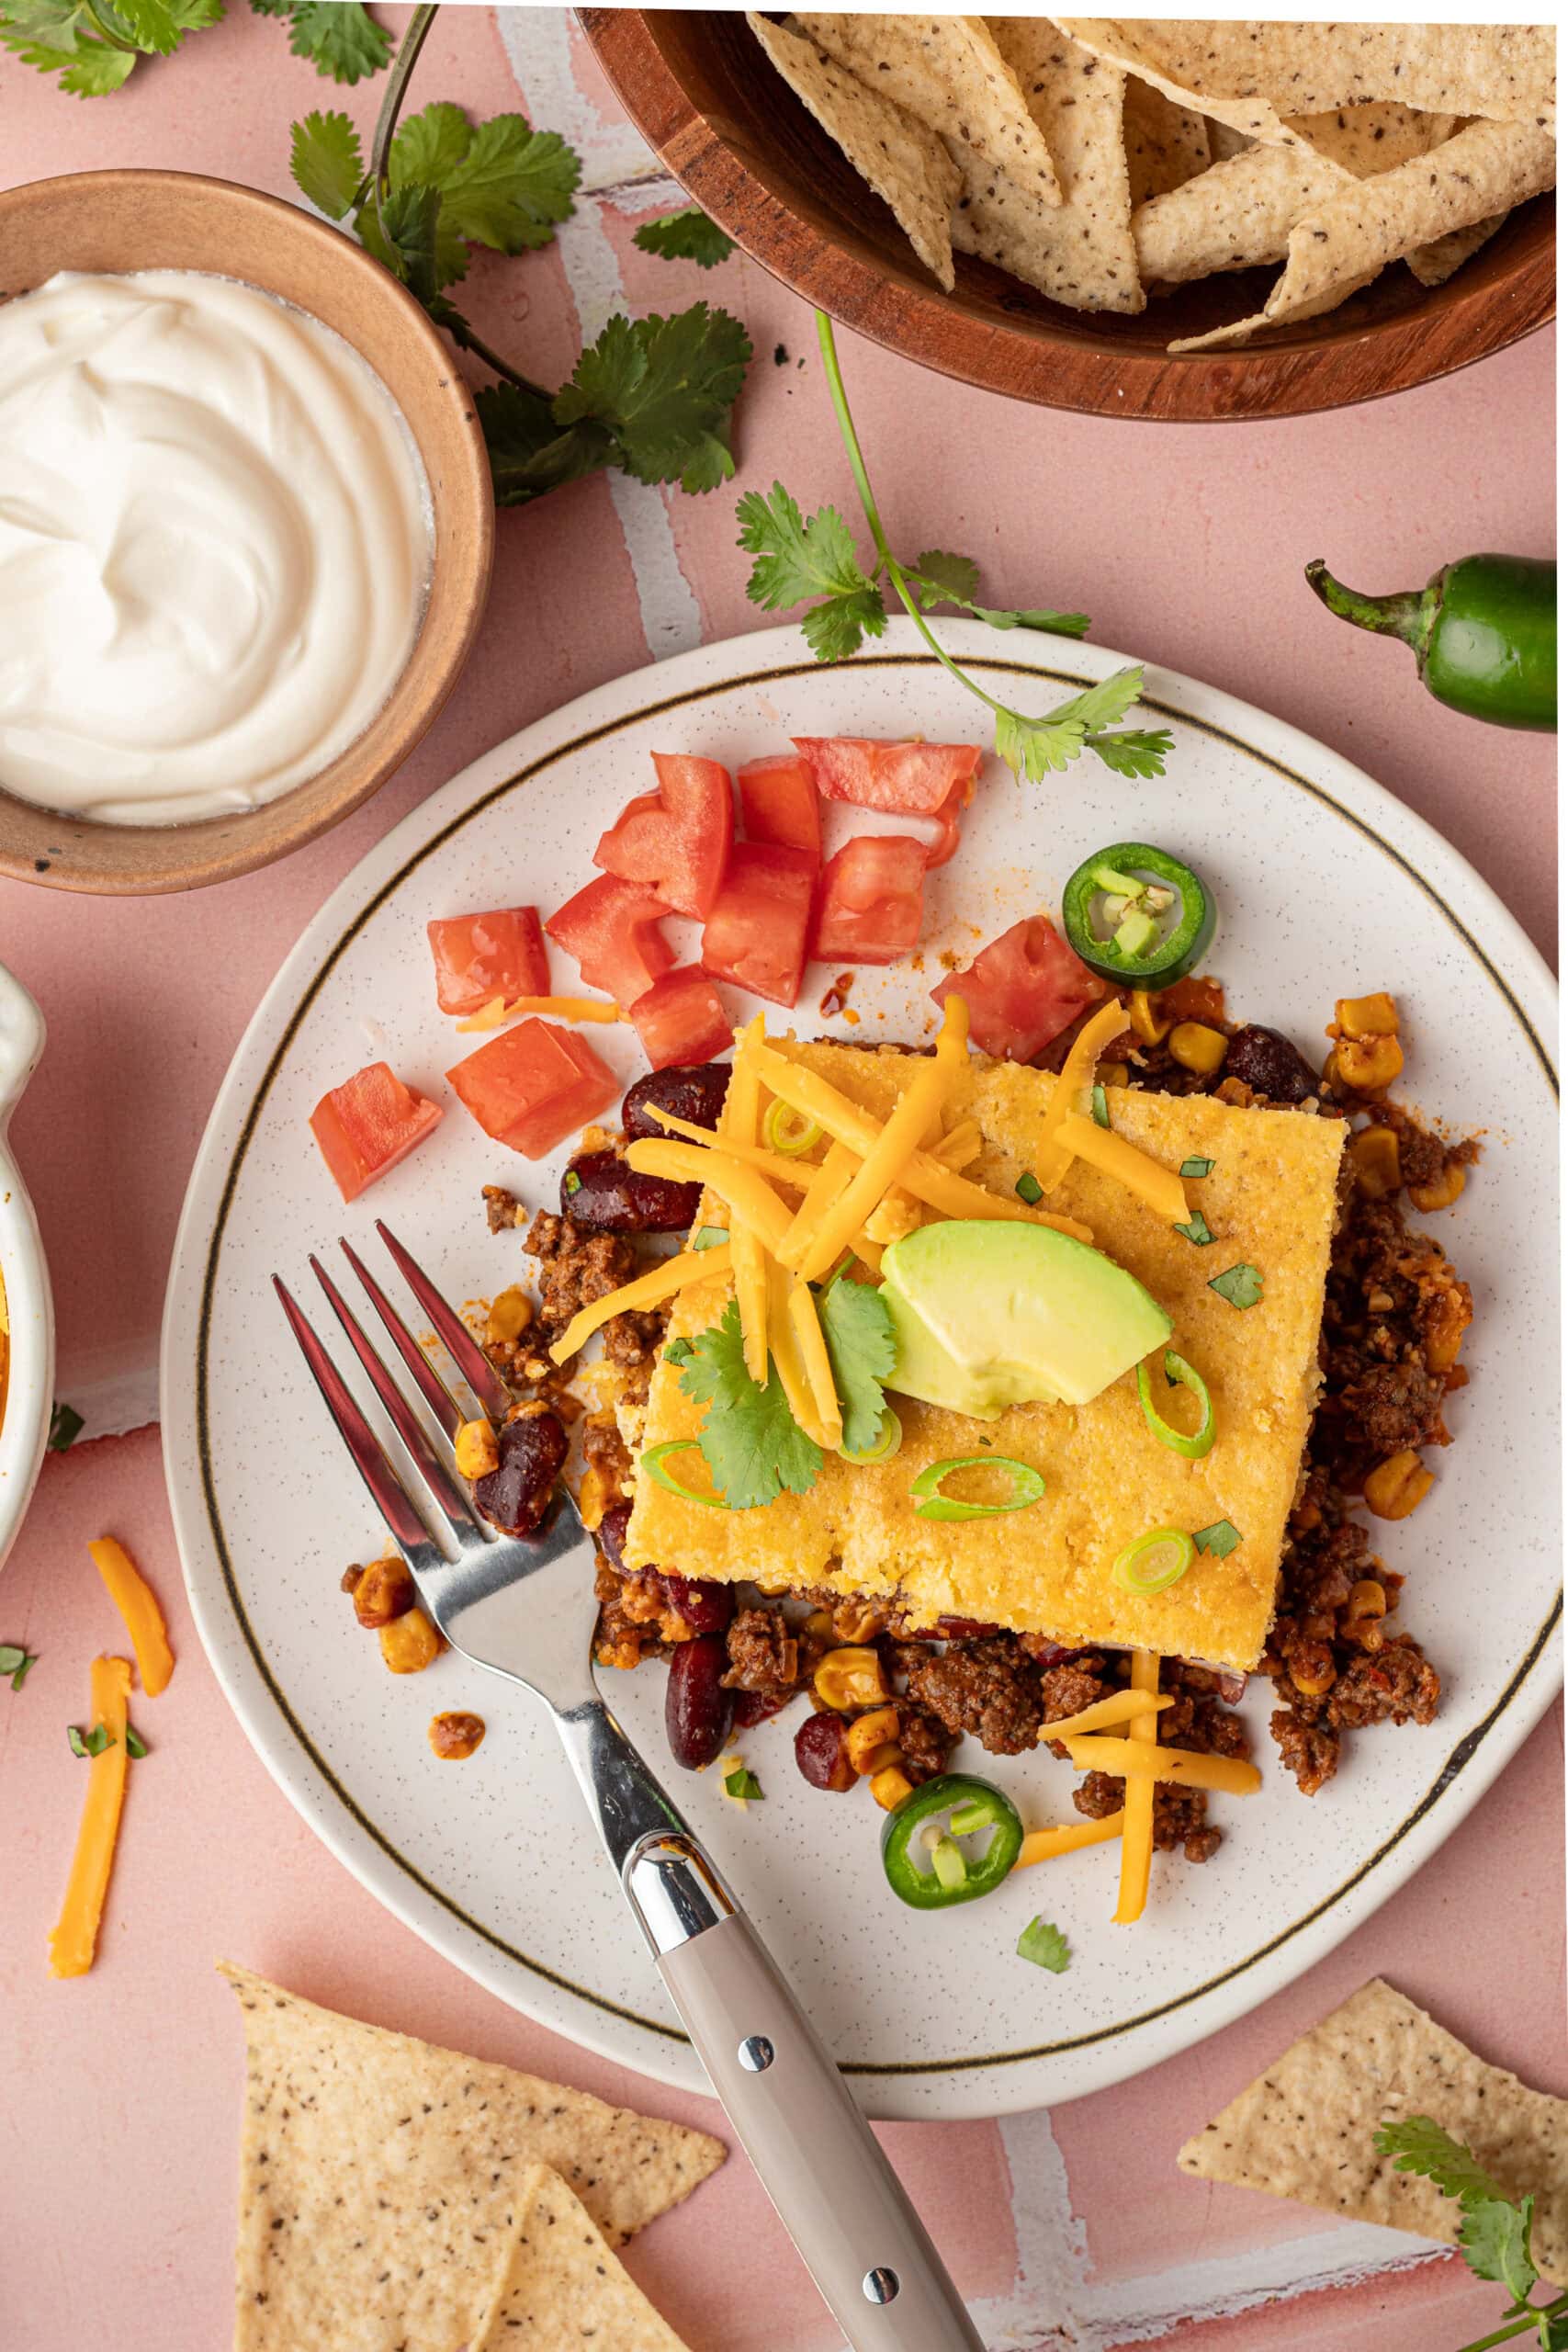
<point x="523" y="1608"/>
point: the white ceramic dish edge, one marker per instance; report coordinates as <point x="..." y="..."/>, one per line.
<point x="29" y="1396"/>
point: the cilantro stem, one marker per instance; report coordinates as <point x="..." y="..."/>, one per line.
<point x="863" y="486"/>
<point x="1526" y="2321"/>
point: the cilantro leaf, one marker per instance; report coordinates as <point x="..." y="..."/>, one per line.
<point x="23" y="1671"/>
<point x="1038" y="747"/>
<point x="341" y="38"/>
<point x="939" y="579"/>
<point x="686" y="236"/>
<point x="743" y="1785"/>
<point x="751" y="1440"/>
<point x="679" y="1352"/>
<point x="159" y="25"/>
<point x="65" y="1427"/>
<point x="709" y="1236"/>
<point x="325" y="159"/>
<point x="62" y="37"/>
<point x="93" y="1744"/>
<point x="135" y="1746"/>
<point x="529" y="452"/>
<point x="1218" y="1541"/>
<point x="1239" y="1285"/>
<point x="1046" y="1946"/>
<point x="429" y="145"/>
<point x="858" y="1329"/>
<point x="663" y="389"/>
<point x="797" y="559"/>
<point x="1494" y="2238"/>
<point x="510" y="186"/>
<point x="1198" y="1232"/>
<point x="401" y="236"/>
<point x="1133" y="751"/>
<point x="1420" y="2145"/>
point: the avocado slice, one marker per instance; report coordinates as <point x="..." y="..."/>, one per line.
<point x="989" y="1313"/>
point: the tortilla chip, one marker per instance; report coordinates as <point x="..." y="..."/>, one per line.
<point x="1344" y="243"/>
<point x="1166" y="143"/>
<point x="1306" y="2129"/>
<point x="562" y="2288"/>
<point x="899" y="159"/>
<point x="376" y="2174"/>
<point x="950" y="74"/>
<point x="1223" y="141"/>
<point x="1435" y="264"/>
<point x="1078" y="252"/>
<point x="1250" y="74"/>
<point x="1240" y="213"/>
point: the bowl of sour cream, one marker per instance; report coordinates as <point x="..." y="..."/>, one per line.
<point x="246" y="524"/>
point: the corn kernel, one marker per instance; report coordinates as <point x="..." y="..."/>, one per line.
<point x="1374" y="1156"/>
<point x="1397" y="1486"/>
<point x="1368" y="1598"/>
<point x="1198" y="1047"/>
<point x="1148" y="1021"/>
<point x="1445" y="1333"/>
<point x="851" y="1677"/>
<point x="410" y="1643"/>
<point x="511" y="1312"/>
<point x="1367" y="1016"/>
<point x="1368" y="1064"/>
<point x="1443" y="1192"/>
<point x="890" y="1787"/>
<point x="593" y="1497"/>
<point x="869" y="1735"/>
<point x="476" y="1449"/>
<point x="1311" y="1681"/>
<point x="821" y="1623"/>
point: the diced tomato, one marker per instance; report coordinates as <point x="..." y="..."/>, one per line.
<point x="1022" y="990"/>
<point x="532" y="1086"/>
<point x="612" y="930"/>
<point x="681" y="1019"/>
<point x="779" y="803"/>
<point x="368" y="1124"/>
<point x="902" y="779"/>
<point x="479" y="958"/>
<point x="871" y="900"/>
<point x="677" y="839"/>
<point x="945" y="841"/>
<point x="757" y="932"/>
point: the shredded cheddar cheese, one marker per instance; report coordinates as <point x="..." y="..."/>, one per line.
<point x="783" y="1346"/>
<point x="1045" y="1844"/>
<point x="648" y="1290"/>
<point x="814" y="1357"/>
<point x="746" y="1194"/>
<point x="1122" y="1706"/>
<point x="1138" y="1802"/>
<point x="138" y="1606"/>
<point x="1140" y="1760"/>
<point x="740" y="1107"/>
<point x="1158" y="1188"/>
<point x="1076" y="1074"/>
<point x="74" y="1940"/>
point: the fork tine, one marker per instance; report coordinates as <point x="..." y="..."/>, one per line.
<point x="407" y="1529"/>
<point x="453" y="1332"/>
<point x="455" y="1505"/>
<point x="428" y="1381"/>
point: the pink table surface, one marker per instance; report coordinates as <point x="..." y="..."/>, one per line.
<point x="119" y="2122"/>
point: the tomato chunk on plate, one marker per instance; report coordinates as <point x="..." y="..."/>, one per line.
<point x="757" y="932"/>
<point x="871" y="900"/>
<point x="532" y="1086"/>
<point x="612" y="930"/>
<point x="779" y="803"/>
<point x="368" y="1124"/>
<point x="479" y="958"/>
<point x="1022" y="990"/>
<point x="681" y="1019"/>
<point x="902" y="779"/>
<point x="676" y="840"/>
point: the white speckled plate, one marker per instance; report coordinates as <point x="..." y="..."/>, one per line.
<point x="1326" y="886"/>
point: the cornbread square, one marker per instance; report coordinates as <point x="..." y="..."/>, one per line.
<point x="1269" y="1201"/>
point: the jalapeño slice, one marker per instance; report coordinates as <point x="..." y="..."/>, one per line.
<point x="953" y="1876"/>
<point x="1160" y="919"/>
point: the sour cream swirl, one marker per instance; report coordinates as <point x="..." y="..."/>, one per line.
<point x="215" y="546"/>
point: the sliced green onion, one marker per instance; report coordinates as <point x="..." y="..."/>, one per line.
<point x="1098" y="1106"/>
<point x="710" y="1237"/>
<point x="788" y="1130"/>
<point x="655" y="1456"/>
<point x="1028" y="1187"/>
<point x="1196" y="1166"/>
<point x="889" y="1438"/>
<point x="1154" y="1561"/>
<point x="965" y="1819"/>
<point x="571" y="1182"/>
<point x="1028" y="1487"/>
<point x="948" y="1864"/>
<point x="1179" y="1371"/>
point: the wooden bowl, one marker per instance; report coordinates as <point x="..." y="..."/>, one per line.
<point x="701" y="92"/>
<point x="123" y="220"/>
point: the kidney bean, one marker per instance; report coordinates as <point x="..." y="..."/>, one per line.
<point x="755" y="1707"/>
<point x="707" y="1607"/>
<point x="611" y="1534"/>
<point x="601" y="1194"/>
<point x="1048" y="1653"/>
<point x="1270" y="1065"/>
<point x="515" y="1492"/>
<point x="697" y="1707"/>
<point x="822" y="1752"/>
<point x="953" y="1629"/>
<point x="693" y="1091"/>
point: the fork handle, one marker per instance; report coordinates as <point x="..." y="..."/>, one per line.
<point x="836" y="2193"/>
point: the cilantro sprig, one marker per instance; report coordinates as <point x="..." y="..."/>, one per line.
<point x="858" y="1329"/>
<point x="93" y="45"/>
<point x="341" y="38"/>
<point x="652" y="396"/>
<point x="685" y="236"/>
<point x="1495" y="2233"/>
<point x="815" y="562"/>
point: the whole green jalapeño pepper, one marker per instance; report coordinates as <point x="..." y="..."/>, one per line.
<point x="1483" y="631"/>
<point x="950" y="1874"/>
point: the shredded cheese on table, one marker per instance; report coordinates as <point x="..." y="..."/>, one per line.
<point x="73" y="1941"/>
<point x="134" y="1597"/>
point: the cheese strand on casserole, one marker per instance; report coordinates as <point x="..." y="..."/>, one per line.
<point x="1077" y="1073"/>
<point x="741" y="1104"/>
<point x="661" y="1282"/>
<point x="1158" y="1188"/>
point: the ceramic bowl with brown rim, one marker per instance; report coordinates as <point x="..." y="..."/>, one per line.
<point x="701" y="92"/>
<point x="117" y="221"/>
